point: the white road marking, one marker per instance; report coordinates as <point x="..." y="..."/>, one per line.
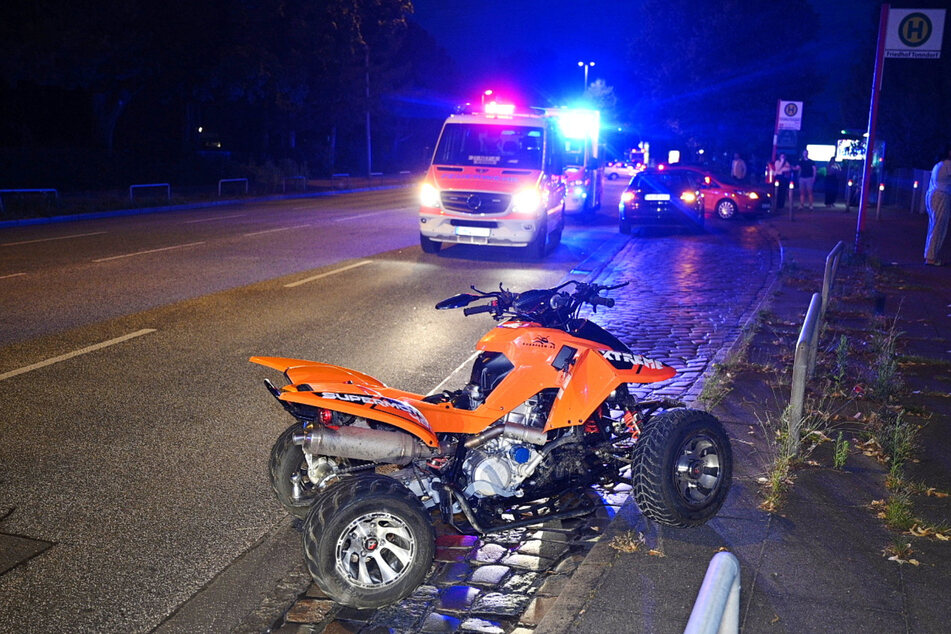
<point x="257" y="233"/>
<point x="323" y="275"/>
<point x="75" y="353"/>
<point x="3" y="277"/>
<point x="129" y="255"/>
<point x="189" y="222"/>
<point x="468" y="361"/>
<point x="75" y="235"/>
<point x="367" y="215"/>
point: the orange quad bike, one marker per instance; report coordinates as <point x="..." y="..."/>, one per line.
<point x="546" y="414"/>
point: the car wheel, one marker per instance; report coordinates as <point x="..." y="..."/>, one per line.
<point x="368" y="541"/>
<point x="682" y="468"/>
<point x="726" y="209"/>
<point x="429" y="246"/>
<point x="538" y="247"/>
<point x="625" y="226"/>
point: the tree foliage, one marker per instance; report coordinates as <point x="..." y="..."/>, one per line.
<point x="711" y="73"/>
<point x="263" y="73"/>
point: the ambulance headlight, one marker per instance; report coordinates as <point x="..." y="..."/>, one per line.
<point x="428" y="196"/>
<point x="526" y="201"/>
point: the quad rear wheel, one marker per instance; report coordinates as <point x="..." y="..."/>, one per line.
<point x="682" y="468"/>
<point x="368" y="541"/>
<point x="294" y="480"/>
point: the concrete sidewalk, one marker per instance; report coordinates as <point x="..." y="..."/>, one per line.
<point x="819" y="563"/>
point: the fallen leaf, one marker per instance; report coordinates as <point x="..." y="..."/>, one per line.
<point x="942" y="537"/>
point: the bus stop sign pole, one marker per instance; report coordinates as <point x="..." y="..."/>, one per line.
<point x="872" y="119"/>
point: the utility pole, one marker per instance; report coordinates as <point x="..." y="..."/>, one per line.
<point x="366" y="60"/>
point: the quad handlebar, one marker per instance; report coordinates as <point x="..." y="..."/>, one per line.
<point x="551" y="307"/>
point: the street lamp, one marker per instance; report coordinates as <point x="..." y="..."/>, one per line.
<point x="586" y="66"/>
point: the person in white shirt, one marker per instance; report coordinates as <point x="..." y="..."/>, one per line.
<point x="938" y="202"/>
<point x="738" y="168"/>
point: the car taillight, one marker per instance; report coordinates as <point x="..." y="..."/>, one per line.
<point x="627" y="197"/>
<point x="688" y="197"/>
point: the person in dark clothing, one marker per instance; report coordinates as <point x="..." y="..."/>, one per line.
<point x="831" y="181"/>
<point x="807" y="180"/>
<point x="782" y="171"/>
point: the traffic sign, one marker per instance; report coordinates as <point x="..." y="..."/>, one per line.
<point x="914" y="33"/>
<point x="789" y="115"/>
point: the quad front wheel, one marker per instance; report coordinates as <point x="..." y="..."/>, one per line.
<point x="682" y="468"/>
<point x="368" y="541"/>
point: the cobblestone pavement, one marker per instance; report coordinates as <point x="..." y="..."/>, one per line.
<point x="687" y="300"/>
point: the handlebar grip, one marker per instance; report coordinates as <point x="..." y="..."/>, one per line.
<point x="603" y="301"/>
<point x="475" y="310"/>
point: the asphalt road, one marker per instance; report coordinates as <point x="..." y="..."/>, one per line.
<point x="135" y="432"/>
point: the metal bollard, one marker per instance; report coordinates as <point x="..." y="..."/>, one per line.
<point x="718" y="603"/>
<point x="914" y="198"/>
<point x="792" y="195"/>
<point x="848" y="196"/>
<point x="878" y="205"/>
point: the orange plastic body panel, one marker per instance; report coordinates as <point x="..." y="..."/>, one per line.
<point x="585" y="384"/>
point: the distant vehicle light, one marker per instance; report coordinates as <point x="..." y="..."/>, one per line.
<point x="526" y="201"/>
<point x="428" y="196"/>
<point x="688" y="197"/>
<point x="752" y="195"/>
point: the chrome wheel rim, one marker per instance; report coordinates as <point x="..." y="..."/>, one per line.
<point x="375" y="550"/>
<point x="698" y="472"/>
<point x="726" y="209"/>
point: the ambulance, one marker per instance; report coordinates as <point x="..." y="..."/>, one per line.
<point x="583" y="173"/>
<point x="495" y="179"/>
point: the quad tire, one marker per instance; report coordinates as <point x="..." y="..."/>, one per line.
<point x="682" y="468"/>
<point x="368" y="541"/>
<point x="289" y="475"/>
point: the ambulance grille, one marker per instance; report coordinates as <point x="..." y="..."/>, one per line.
<point x="475" y="202"/>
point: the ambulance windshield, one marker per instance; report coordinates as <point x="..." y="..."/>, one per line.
<point x="486" y="145"/>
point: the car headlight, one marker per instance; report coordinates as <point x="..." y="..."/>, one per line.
<point x="750" y="195"/>
<point x="526" y="201"/>
<point x="428" y="196"/>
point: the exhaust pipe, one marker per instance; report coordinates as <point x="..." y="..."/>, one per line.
<point x="515" y="431"/>
<point x="361" y="443"/>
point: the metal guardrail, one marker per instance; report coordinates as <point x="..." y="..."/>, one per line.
<point x="804" y="364"/>
<point x="168" y="189"/>
<point x="807" y="346"/>
<point x="301" y="179"/>
<point x="828" y="278"/>
<point x="232" y="180"/>
<point x="27" y="191"/>
<point x="717" y="609"/>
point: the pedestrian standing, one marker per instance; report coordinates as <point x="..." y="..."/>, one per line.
<point x="831" y="182"/>
<point x="782" y="171"/>
<point x="807" y="180"/>
<point x="938" y="202"/>
<point x="738" y="168"/>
